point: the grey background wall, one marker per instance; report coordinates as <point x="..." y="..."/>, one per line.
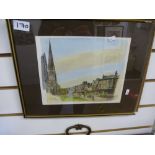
<point x="13" y="122"/>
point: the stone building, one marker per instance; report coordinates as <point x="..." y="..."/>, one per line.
<point x="49" y="73"/>
<point x="101" y="87"/>
<point x="44" y="71"/>
<point x="53" y="86"/>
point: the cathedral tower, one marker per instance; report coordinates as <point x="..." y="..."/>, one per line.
<point x="52" y="79"/>
<point x="44" y="71"/>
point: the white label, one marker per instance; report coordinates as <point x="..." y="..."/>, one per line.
<point x="112" y="38"/>
<point x="127" y="92"/>
<point x="21" y="25"/>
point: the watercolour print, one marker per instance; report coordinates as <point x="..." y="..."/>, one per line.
<point x="81" y="70"/>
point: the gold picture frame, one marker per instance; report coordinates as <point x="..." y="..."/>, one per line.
<point x="102" y="109"/>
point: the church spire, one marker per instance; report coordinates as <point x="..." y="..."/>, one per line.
<point x="53" y="86"/>
<point x="50" y="59"/>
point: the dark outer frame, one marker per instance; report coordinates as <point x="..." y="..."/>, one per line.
<point x="131" y="110"/>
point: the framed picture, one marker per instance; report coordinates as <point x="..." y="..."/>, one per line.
<point x="65" y="69"/>
<point x="108" y="31"/>
<point x="116" y="31"/>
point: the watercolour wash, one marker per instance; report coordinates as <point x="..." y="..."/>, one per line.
<point x="81" y="70"/>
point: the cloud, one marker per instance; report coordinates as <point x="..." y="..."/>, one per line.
<point x="88" y="60"/>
